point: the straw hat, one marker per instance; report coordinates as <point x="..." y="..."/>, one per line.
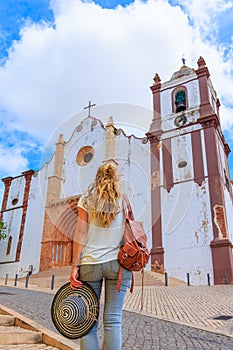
<point x="75" y="312"/>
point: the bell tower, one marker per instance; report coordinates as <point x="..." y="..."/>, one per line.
<point x="191" y="190"/>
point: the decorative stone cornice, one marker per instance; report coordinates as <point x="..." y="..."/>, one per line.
<point x="209" y="121"/>
<point x="221" y="242"/>
<point x="64" y="201"/>
<point x="227" y="149"/>
<point x="154" y="136"/>
<point x="28" y="174"/>
<point x="7" y="180"/>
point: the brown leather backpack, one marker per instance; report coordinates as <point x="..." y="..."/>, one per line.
<point x="133" y="254"/>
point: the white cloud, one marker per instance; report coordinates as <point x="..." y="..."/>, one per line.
<point x="94" y="53"/>
<point x="205" y="14"/>
<point x="12" y="162"/>
<point x="107" y="56"/>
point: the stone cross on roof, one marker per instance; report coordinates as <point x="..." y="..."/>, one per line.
<point x="89" y="108"/>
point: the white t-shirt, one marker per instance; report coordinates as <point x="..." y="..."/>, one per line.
<point x="102" y="242"/>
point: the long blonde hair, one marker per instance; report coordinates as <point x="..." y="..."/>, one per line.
<point x="102" y="196"/>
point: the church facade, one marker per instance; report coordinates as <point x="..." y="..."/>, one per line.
<point x="177" y="178"/>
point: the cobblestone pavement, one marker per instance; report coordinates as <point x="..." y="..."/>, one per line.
<point x="139" y="331"/>
<point x="195" y="305"/>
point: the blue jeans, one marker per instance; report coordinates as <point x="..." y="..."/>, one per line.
<point x="114" y="300"/>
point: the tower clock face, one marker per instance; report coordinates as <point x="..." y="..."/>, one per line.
<point x="180" y="120"/>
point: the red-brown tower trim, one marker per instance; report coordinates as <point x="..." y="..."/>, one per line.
<point x="154" y="135"/>
<point x="28" y="176"/>
<point x="202" y="76"/>
<point x="221" y="247"/>
<point x="198" y="166"/>
<point x="157" y="251"/>
<point x="156" y="90"/>
<point x="167" y="165"/>
<point x="7" y="182"/>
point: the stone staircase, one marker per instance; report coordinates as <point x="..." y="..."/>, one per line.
<point x="17" y="332"/>
<point x="62" y="274"/>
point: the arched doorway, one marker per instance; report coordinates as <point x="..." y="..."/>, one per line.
<point x="59" y="227"/>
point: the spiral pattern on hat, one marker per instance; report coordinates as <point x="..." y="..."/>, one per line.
<point x="74" y="313"/>
<point x="73" y="310"/>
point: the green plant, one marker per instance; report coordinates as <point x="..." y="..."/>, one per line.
<point x="2" y="230"/>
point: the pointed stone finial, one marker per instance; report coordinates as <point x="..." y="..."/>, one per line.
<point x="110" y="121"/>
<point x="60" y="139"/>
<point x="201" y="62"/>
<point x="156" y="79"/>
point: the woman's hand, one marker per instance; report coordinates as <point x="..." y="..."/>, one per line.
<point x="74" y="282"/>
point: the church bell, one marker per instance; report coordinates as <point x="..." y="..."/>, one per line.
<point x="180" y="106"/>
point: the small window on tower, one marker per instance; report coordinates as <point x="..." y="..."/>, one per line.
<point x="180" y="101"/>
<point x="9" y="245"/>
<point x="14" y="201"/>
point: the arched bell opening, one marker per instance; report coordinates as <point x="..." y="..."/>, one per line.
<point x="180" y="101"/>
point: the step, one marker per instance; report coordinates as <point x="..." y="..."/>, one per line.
<point x="43" y="279"/>
<point x="18" y="335"/>
<point x="28" y="347"/>
<point x="150" y="279"/>
<point x="7" y="320"/>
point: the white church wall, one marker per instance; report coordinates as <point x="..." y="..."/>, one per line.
<point x="16" y="192"/>
<point x="134" y="166"/>
<point x="166" y="102"/>
<point x="13" y="220"/>
<point x="193" y="94"/>
<point x="76" y="178"/>
<point x="182" y="160"/>
<point x="204" y="153"/>
<point x="42" y="177"/>
<point x="186" y="237"/>
<point x="33" y="229"/>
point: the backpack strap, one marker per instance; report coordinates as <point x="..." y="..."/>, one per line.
<point x="132" y="284"/>
<point x="118" y="287"/>
<point x="128" y="211"/>
<point x="120" y="280"/>
<point x="142" y="292"/>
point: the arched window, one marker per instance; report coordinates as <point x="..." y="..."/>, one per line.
<point x="180" y="101"/>
<point x="9" y="245"/>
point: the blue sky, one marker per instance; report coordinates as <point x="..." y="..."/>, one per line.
<point x="57" y="55"/>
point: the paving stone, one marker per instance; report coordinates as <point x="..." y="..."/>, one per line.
<point x="192" y="309"/>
